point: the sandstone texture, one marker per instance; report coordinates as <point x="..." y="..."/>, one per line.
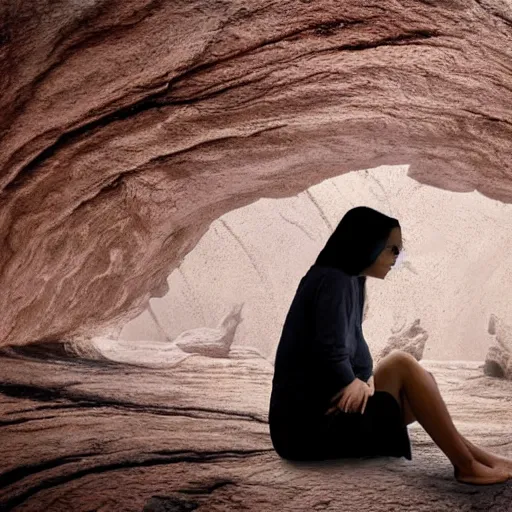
<point x="498" y="362"/>
<point x="89" y="435"/>
<point x="127" y="127"/>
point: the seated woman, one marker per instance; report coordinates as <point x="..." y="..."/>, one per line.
<point x="326" y="402"/>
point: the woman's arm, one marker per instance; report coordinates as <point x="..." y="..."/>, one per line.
<point x="363" y="362"/>
<point x="332" y="314"/>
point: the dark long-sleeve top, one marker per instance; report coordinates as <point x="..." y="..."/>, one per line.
<point x="322" y="348"/>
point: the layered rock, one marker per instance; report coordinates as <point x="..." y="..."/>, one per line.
<point x="84" y="436"/>
<point x="121" y="139"/>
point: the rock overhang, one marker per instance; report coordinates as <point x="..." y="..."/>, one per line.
<point x="122" y="140"/>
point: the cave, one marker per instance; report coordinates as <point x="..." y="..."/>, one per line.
<point x="127" y="131"/>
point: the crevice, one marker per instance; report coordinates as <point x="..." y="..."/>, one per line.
<point x="14" y="475"/>
<point x="7" y="423"/>
<point x="400" y="40"/>
<point x="208" y="489"/>
<point x="59" y="352"/>
<point x="408" y="38"/>
<point x="38" y="393"/>
<point x="290" y="36"/>
<point x="166" y="457"/>
<point x="494" y="14"/>
<point x="26" y="172"/>
<point x="487" y="116"/>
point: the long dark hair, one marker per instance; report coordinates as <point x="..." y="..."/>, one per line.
<point x="357" y="241"/>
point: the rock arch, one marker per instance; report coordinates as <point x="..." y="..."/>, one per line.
<point x="128" y="127"/>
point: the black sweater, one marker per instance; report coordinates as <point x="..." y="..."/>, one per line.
<point x="322" y="348"/>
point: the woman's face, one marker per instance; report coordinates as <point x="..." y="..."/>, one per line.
<point x="387" y="258"/>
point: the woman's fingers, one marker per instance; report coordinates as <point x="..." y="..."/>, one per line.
<point x="335" y="406"/>
<point x="371" y="384"/>
<point x="346" y="405"/>
<point x="352" y="402"/>
<point x="355" y="402"/>
<point x="365" y="401"/>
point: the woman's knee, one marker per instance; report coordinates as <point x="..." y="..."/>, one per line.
<point x="433" y="378"/>
<point x="399" y="358"/>
<point x="391" y="372"/>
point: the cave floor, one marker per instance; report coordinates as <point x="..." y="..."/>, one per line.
<point x="83" y="436"/>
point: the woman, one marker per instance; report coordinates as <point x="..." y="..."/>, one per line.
<point x="326" y="402"/>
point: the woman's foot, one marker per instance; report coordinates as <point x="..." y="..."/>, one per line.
<point x="479" y="474"/>
<point x="489" y="459"/>
<point x="503" y="464"/>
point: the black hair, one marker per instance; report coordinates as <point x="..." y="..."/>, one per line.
<point x="357" y="241"/>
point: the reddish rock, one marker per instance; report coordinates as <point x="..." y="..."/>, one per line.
<point x="127" y="127"/>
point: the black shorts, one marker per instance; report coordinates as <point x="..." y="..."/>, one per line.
<point x="379" y="432"/>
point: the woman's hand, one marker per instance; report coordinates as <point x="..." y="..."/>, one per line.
<point x="352" y="398"/>
<point x="371" y="384"/>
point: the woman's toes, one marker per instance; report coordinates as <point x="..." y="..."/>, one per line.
<point x="481" y="474"/>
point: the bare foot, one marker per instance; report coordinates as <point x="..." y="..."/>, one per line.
<point x="503" y="464"/>
<point x="479" y="474"/>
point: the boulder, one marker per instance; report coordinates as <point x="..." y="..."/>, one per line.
<point x="410" y="339"/>
<point x="498" y="362"/>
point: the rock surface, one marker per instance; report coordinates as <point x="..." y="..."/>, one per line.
<point x="498" y="362"/>
<point x="212" y="342"/>
<point x="121" y="139"/>
<point x="411" y="340"/>
<point x="83" y="436"/>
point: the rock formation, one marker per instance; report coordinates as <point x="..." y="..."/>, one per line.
<point x="121" y="138"/>
<point x="126" y="128"/>
<point x="142" y="353"/>
<point x="212" y="342"/>
<point x="411" y="340"/>
<point x="498" y="362"/>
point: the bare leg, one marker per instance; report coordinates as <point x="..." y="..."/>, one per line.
<point x="482" y="456"/>
<point x="402" y="376"/>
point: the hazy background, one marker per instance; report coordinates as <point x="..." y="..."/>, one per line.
<point x="457" y="247"/>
